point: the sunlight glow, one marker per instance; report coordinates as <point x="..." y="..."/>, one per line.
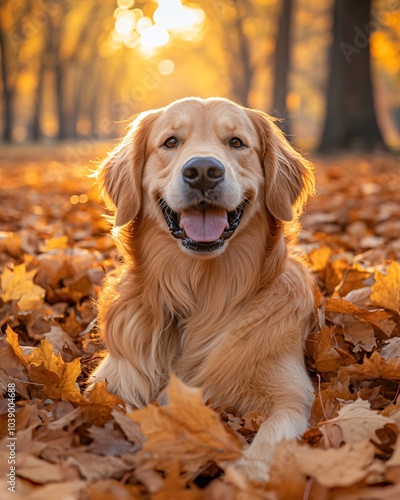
<point x="124" y="25"/>
<point x="171" y="17"/>
<point x="155" y="36"/>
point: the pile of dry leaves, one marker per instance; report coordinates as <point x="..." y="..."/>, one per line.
<point x="54" y="253"/>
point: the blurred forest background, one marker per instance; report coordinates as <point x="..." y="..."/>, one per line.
<point x="78" y="70"/>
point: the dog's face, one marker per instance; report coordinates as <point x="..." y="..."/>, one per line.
<point x="201" y="169"/>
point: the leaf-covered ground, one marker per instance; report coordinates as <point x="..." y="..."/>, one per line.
<point x="55" y="251"/>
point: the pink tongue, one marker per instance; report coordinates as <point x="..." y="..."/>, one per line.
<point x="204" y="225"/>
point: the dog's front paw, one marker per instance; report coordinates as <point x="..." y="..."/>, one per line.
<point x="254" y="467"/>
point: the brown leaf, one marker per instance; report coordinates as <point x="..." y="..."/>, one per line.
<point x="337" y="467"/>
<point x="380" y="319"/>
<point x="361" y="335"/>
<point x="130" y="428"/>
<point x="326" y="357"/>
<point x="12" y="370"/>
<point x="39" y="471"/>
<point x="109" y="441"/>
<point x="353" y="279"/>
<point x="391" y="348"/>
<point x="186" y="430"/>
<point x="372" y="368"/>
<point x="175" y="487"/>
<point x="393" y="465"/>
<point x="99" y="404"/>
<point x="94" y="467"/>
<point x="330" y="393"/>
<point x="357" y="422"/>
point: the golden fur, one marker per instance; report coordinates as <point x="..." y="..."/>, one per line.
<point x="233" y="322"/>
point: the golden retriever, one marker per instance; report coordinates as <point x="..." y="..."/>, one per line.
<point x="206" y="195"/>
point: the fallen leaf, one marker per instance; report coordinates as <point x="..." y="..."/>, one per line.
<point x="329" y="395"/>
<point x="95" y="468"/>
<point x="391" y="348"/>
<point x="361" y="335"/>
<point x="12" y="340"/>
<point x="97" y="407"/>
<point x="108" y="441"/>
<point x="57" y="377"/>
<point x="18" y="285"/>
<point x="175" y="487"/>
<point x="38" y="470"/>
<point x="326" y="357"/>
<point x="337" y="467"/>
<point x="381" y="319"/>
<point x="357" y="422"/>
<point x="55" y="243"/>
<point x="386" y="291"/>
<point x="393" y="465"/>
<point x="372" y="368"/>
<point x="353" y="278"/>
<point x="186" y="430"/>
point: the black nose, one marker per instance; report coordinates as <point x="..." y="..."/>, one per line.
<point x="203" y="173"/>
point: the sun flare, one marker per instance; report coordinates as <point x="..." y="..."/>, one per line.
<point x="171" y="18"/>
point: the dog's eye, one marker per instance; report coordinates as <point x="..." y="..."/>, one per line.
<point x="235" y="142"/>
<point x="171" y="142"/>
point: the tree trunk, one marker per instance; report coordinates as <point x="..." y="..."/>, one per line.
<point x="282" y="66"/>
<point x="36" y="131"/>
<point x="350" y="121"/>
<point x="243" y="89"/>
<point x="8" y="93"/>
<point x="61" y="115"/>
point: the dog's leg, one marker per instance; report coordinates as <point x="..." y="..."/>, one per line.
<point x="140" y="352"/>
<point x="124" y="380"/>
<point x="291" y="392"/>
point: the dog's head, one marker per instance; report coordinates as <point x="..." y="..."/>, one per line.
<point x="200" y="169"/>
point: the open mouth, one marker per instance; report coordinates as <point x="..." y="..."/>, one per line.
<point x="203" y="228"/>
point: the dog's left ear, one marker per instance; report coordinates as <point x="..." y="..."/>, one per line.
<point x="120" y="174"/>
<point x="289" y="178"/>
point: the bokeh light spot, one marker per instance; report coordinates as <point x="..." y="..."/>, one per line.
<point x="166" y="67"/>
<point x="126" y="3"/>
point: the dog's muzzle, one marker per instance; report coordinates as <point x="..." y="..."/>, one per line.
<point x="180" y="229"/>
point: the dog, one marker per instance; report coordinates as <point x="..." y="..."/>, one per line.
<point x="206" y="196"/>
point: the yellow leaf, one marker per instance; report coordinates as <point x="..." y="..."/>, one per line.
<point x="18" y="285"/>
<point x="55" y="243"/>
<point x="12" y="339"/>
<point x="57" y="377"/>
<point x="386" y="291"/>
<point x="186" y="430"/>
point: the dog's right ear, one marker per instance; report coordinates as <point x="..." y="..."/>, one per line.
<point x="120" y="174"/>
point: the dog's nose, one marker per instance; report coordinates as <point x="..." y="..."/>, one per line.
<point x="203" y="173"/>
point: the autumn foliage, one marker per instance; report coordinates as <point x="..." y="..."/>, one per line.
<point x="55" y="251"/>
